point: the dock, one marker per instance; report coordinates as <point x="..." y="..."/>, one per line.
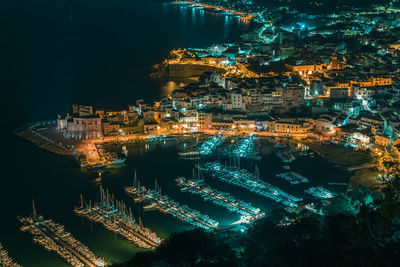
<point x="208" y="146"/>
<point x="165" y="204"/>
<point x="115" y="216"/>
<point x="219" y="198"/>
<point x="54" y="237"/>
<point x="5" y="259"/>
<point x="292" y="177"/>
<point x="249" y="181"/>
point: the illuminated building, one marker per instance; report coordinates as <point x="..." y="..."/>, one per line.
<point x="82" y="110"/>
<point x="205" y="120"/>
<point x="87" y="127"/>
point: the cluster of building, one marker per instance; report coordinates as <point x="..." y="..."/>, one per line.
<point x="332" y="75"/>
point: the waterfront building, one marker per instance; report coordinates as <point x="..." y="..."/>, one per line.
<point x="88" y="127"/>
<point x="110" y="128"/>
<point x="325" y="124"/>
<point x="292" y="126"/>
<point x="205" y="119"/>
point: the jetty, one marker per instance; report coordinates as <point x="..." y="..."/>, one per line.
<point x="54" y="237"/>
<point x="167" y="205"/>
<point x="116" y="217"/>
<point x="249" y="181"/>
<point x="219" y="198"/>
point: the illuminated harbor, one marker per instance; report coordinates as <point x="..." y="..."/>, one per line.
<point x="167" y="205"/>
<point x="53" y="237"/>
<point x="219" y="198"/>
<point x="5" y="259"/>
<point x="292" y="177"/>
<point x="249" y="181"/>
<point x="320" y="192"/>
<point x="115" y="216"/>
<point x="308" y="92"/>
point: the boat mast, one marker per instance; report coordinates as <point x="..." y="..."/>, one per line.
<point x="34" y="210"/>
<point x="135" y="180"/>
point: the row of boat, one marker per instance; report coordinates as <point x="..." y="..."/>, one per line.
<point x="219" y="198"/>
<point x="168" y="205"/>
<point x="114" y="216"/>
<point x="292" y="177"/>
<point x="55" y="238"/>
<point x="204" y="149"/>
<point x="245" y="147"/>
<point x="208" y="146"/>
<point x="320" y="192"/>
<point x="5" y="259"/>
<point x="249" y="181"/>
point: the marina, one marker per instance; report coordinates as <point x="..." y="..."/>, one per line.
<point x="292" y="177"/>
<point x="208" y="146"/>
<point x="320" y="192"/>
<point x="115" y="216"/>
<point x="54" y="237"/>
<point x="219" y="198"/>
<point x="5" y="259"/>
<point x="249" y="181"/>
<point x="245" y="147"/>
<point x="167" y="205"/>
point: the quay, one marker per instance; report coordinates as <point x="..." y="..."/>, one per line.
<point x="249" y="181"/>
<point x="5" y="259"/>
<point x="167" y="205"/>
<point x="53" y="237"/>
<point x="219" y="198"/>
<point x="114" y="216"/>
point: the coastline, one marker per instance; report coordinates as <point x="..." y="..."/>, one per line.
<point x="336" y="155"/>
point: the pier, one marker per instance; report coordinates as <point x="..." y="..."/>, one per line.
<point x="249" y="181"/>
<point x="53" y="237"/>
<point x="114" y="216"/>
<point x="5" y="259"/>
<point x="167" y="205"/>
<point x="219" y="198"/>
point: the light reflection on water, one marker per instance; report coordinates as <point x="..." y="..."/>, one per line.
<point x="168" y="87"/>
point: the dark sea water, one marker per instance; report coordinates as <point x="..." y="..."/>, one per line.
<point x="56" y="53"/>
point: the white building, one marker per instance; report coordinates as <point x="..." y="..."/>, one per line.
<point x="237" y="101"/>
